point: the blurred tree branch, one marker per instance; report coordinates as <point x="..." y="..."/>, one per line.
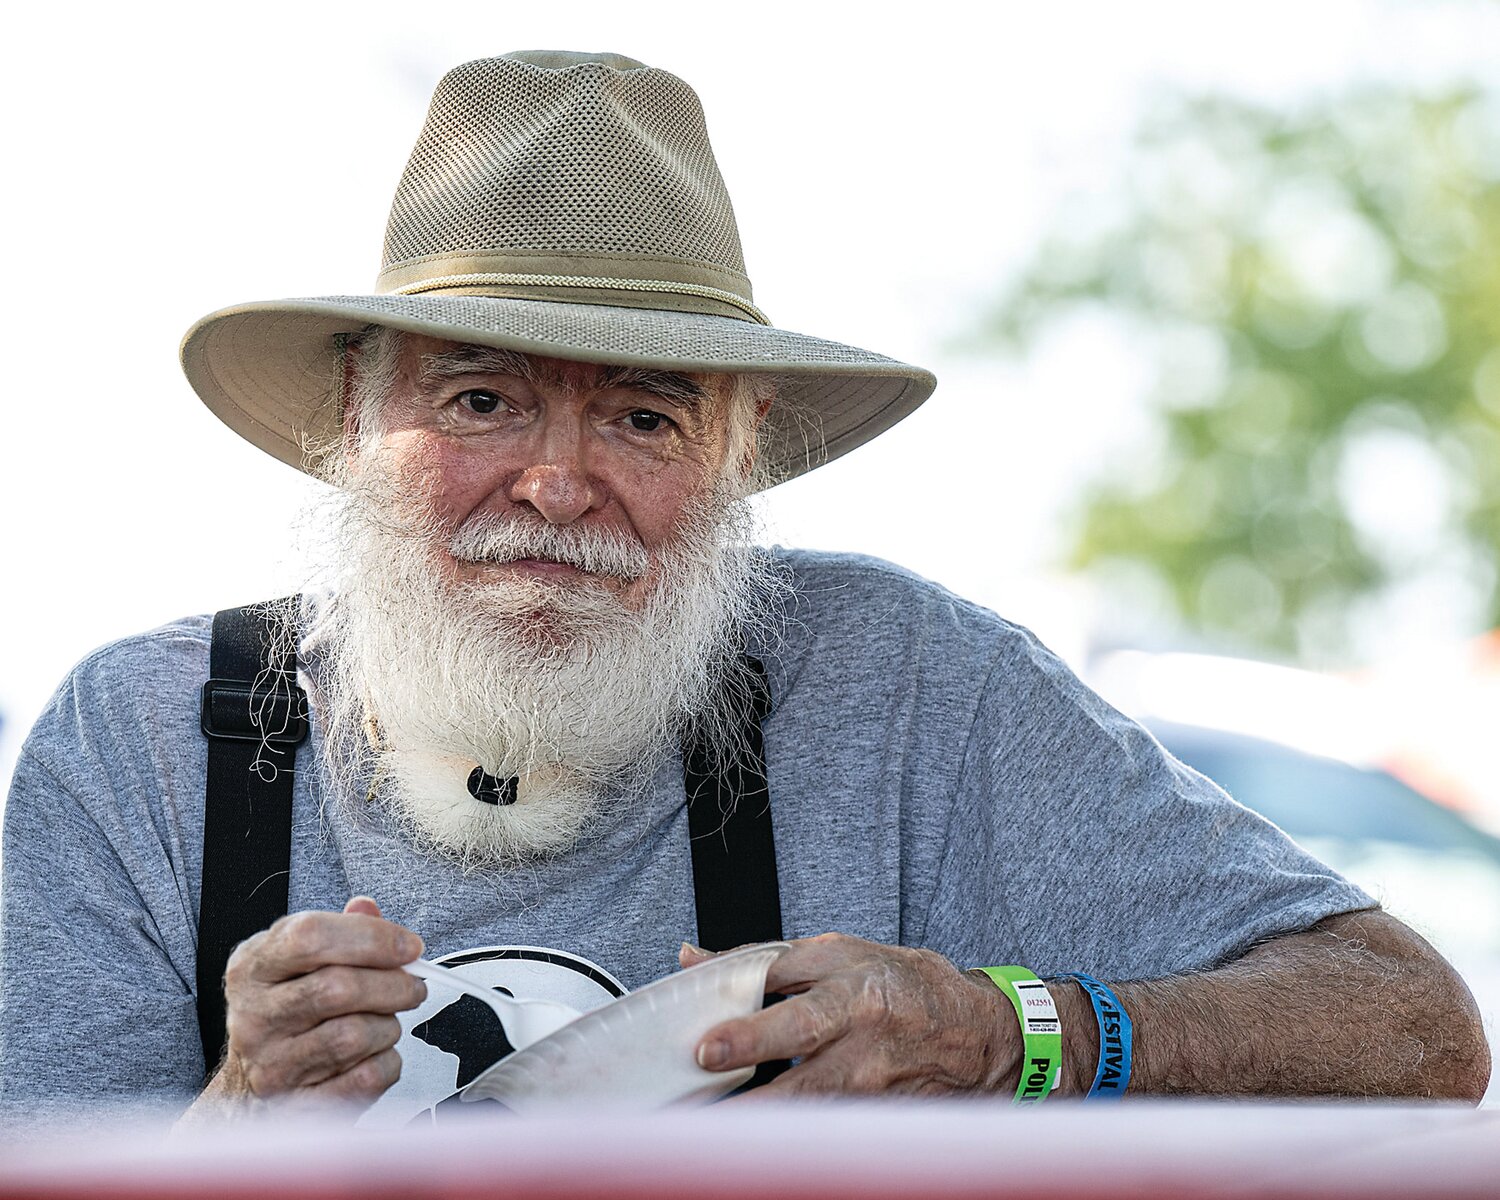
<point x="1319" y="295"/>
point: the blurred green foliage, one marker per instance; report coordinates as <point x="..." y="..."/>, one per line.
<point x="1319" y="294"/>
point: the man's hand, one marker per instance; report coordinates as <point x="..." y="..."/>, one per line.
<point x="311" y="1009"/>
<point x="867" y="1019"/>
<point x="1358" y="1005"/>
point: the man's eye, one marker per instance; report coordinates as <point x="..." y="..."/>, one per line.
<point x="479" y="400"/>
<point x="646" y="421"/>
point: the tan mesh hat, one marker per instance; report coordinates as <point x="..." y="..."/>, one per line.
<point x="566" y="205"/>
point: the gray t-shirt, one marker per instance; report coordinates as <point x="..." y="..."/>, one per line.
<point x="938" y="779"/>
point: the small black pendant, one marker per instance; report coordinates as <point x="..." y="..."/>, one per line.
<point x="484" y="786"/>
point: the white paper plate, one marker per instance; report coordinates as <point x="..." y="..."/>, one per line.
<point x="637" y="1052"/>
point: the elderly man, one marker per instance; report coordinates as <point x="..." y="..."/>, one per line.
<point x="564" y="715"/>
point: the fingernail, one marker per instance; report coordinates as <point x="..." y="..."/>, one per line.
<point x="713" y="1055"/>
<point x="413" y="945"/>
<point x="697" y="950"/>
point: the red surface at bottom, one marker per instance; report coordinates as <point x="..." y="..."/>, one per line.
<point x="872" y="1151"/>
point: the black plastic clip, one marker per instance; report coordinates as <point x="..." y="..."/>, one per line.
<point x="238" y="712"/>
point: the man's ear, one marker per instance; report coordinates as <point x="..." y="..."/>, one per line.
<point x="752" y="451"/>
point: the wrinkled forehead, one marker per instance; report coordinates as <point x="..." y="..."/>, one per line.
<point x="430" y="362"/>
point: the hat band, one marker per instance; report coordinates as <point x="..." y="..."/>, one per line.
<point x="517" y="279"/>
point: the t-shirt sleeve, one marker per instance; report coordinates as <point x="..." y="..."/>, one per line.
<point x="96" y="1007"/>
<point x="1077" y="843"/>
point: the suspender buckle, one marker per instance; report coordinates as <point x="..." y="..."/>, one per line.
<point x="235" y="711"/>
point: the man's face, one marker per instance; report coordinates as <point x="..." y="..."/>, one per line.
<point x="544" y="569"/>
<point x="487" y="435"/>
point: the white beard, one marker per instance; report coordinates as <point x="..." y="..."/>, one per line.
<point x="556" y="684"/>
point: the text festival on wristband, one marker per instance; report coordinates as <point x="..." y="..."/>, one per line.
<point x="1041" y="1033"/>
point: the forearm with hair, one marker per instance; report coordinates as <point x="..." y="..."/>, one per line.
<point x="1358" y="1005"/>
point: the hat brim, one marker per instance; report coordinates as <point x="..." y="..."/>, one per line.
<point x="268" y="370"/>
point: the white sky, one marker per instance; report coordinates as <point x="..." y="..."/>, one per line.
<point x="888" y="165"/>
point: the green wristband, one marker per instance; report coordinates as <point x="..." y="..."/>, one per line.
<point x="1041" y="1031"/>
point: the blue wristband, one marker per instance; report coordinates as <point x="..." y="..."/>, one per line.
<point x="1113" y="1075"/>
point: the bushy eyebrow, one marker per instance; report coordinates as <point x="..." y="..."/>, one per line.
<point x="672" y="386"/>
<point x="475" y="360"/>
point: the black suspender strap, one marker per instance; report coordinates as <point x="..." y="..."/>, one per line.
<point x="734" y="847"/>
<point x="254" y="716"/>
<point x="729" y="824"/>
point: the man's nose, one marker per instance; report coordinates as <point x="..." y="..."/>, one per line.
<point x="558" y="484"/>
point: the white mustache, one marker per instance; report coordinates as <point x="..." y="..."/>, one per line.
<point x="493" y="538"/>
